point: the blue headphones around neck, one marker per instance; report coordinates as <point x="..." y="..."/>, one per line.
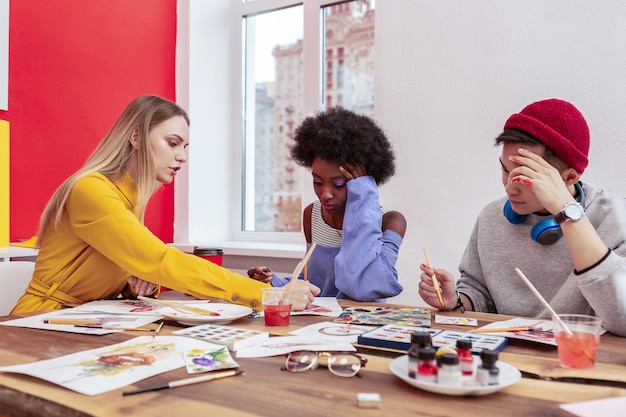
<point x="547" y="231"/>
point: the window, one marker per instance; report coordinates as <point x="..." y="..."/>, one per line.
<point x="291" y="71"/>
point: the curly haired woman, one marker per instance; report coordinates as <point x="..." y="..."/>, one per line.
<point x="349" y="155"/>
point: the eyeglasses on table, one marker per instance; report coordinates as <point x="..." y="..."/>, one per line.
<point x="344" y="364"/>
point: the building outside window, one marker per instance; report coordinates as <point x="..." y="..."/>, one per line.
<point x="276" y="99"/>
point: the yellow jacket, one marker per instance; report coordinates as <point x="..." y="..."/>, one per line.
<point x="100" y="243"/>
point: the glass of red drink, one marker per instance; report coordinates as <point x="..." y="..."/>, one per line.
<point x="277" y="306"/>
<point x="577" y="348"/>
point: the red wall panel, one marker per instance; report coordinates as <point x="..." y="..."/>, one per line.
<point x="73" y="67"/>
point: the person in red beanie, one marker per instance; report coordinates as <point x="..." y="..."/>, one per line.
<point x="566" y="235"/>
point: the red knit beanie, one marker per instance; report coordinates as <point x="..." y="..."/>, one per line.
<point x="558" y="125"/>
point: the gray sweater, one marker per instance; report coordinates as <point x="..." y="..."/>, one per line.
<point x="497" y="247"/>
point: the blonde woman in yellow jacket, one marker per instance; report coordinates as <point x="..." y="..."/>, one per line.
<point x="92" y="241"/>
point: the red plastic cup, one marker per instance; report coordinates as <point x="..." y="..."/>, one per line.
<point x="577" y="350"/>
<point x="214" y="255"/>
<point x="276" y="306"/>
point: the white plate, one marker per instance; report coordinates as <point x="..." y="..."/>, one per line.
<point x="509" y="375"/>
<point x="227" y="313"/>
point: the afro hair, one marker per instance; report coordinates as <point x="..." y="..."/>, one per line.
<point x="343" y="136"/>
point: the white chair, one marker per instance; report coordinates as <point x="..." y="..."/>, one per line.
<point x="14" y="278"/>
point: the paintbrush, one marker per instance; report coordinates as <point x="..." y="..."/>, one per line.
<point x="435" y="281"/>
<point x="299" y="267"/>
<point x="186" y="381"/>
<point x="180" y="307"/>
<point x="555" y="316"/>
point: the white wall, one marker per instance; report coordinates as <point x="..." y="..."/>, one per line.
<point x="448" y="75"/>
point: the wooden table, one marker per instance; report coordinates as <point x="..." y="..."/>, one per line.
<point x="265" y="390"/>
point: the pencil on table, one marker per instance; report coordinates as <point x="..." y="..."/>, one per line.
<point x="505" y="329"/>
<point x="435" y="281"/>
<point x="158" y="330"/>
<point x="133" y="329"/>
<point x="73" y="322"/>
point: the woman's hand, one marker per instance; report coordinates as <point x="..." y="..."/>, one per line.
<point x="260" y="273"/>
<point x="351" y="171"/>
<point x="142" y="287"/>
<point x="303" y="294"/>
<point x="446" y="283"/>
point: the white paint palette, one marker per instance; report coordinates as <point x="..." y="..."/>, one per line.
<point x="232" y="337"/>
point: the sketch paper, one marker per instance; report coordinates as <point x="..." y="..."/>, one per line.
<point x="280" y="345"/>
<point x="334" y="332"/>
<point x="543" y="330"/>
<point x="459" y="321"/>
<point x="322" y="306"/>
<point x="131" y="307"/>
<point x="211" y="359"/>
<point x="97" y="371"/>
<point x="122" y="320"/>
<point x="613" y="406"/>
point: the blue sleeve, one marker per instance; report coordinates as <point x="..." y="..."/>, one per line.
<point x="279" y="282"/>
<point x="365" y="266"/>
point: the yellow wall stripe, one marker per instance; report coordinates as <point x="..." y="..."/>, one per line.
<point x="4" y="183"/>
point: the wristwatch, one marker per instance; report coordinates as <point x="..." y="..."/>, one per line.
<point x="572" y="212"/>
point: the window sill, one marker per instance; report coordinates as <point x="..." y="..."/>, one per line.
<point x="253" y="249"/>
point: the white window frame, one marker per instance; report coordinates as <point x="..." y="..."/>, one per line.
<point x="208" y="195"/>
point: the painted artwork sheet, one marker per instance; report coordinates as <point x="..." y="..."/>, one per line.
<point x="334" y="332"/>
<point x="97" y="371"/>
<point x="541" y="331"/>
<point x="96" y="317"/>
<point x="125" y="307"/>
<point x="280" y="345"/>
<point x="378" y="316"/>
<point x="321" y="306"/>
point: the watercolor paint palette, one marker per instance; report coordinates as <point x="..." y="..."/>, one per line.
<point x="399" y="338"/>
<point x="231" y="337"/>
<point x="448" y="338"/>
<point x="420" y="317"/>
<point x="393" y="336"/>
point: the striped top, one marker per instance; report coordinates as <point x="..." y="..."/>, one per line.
<point x="322" y="233"/>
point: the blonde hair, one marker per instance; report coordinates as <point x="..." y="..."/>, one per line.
<point x="114" y="154"/>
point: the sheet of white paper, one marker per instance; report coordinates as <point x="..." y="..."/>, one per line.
<point x="131" y="307"/>
<point x="543" y="330"/>
<point x="333" y="332"/>
<point x="101" y="319"/>
<point x="96" y="371"/>
<point x="322" y="306"/>
<point x="613" y="406"/>
<point x="280" y="345"/>
<point x="459" y="321"/>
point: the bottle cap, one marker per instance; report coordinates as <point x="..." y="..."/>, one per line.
<point x="489" y="357"/>
<point x="426" y="353"/>
<point x="464" y="344"/>
<point x="421" y="339"/>
<point x="449" y="359"/>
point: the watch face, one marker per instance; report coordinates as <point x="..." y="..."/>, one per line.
<point x="574" y="211"/>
